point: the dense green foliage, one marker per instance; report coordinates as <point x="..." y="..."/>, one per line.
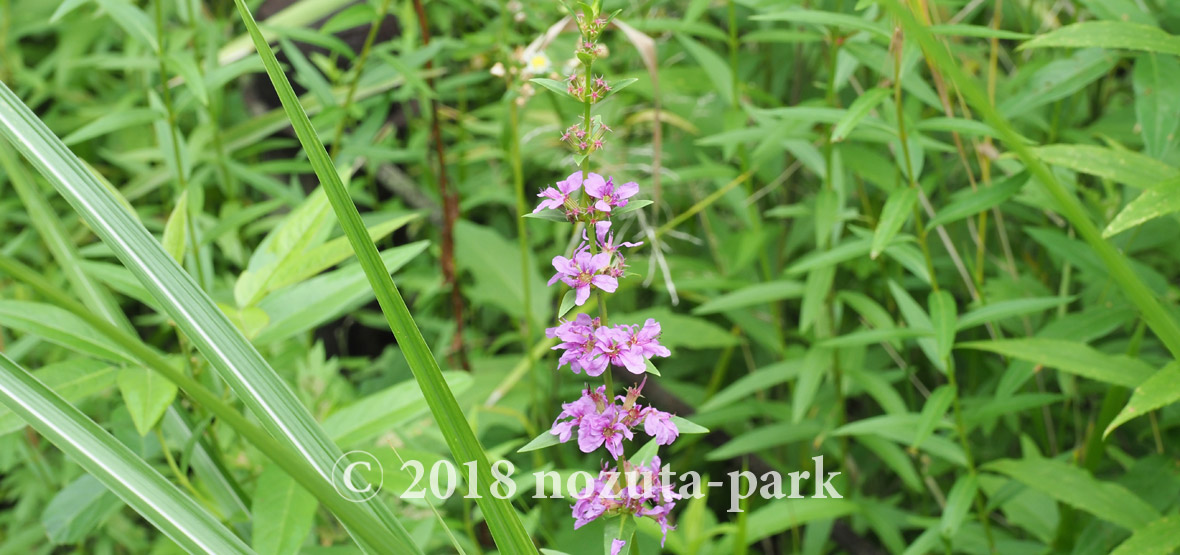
<point x="931" y="242"/>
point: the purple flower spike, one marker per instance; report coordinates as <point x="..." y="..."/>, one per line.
<point x="583" y="271"/>
<point x="556" y="198"/>
<point x="616" y="546"/>
<point x="608" y="195"/>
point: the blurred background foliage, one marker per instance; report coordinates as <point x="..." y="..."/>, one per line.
<point x="850" y="254"/>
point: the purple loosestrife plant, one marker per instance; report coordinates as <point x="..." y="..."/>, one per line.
<point x="599" y="419"/>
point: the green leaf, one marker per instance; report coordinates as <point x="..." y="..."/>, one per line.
<point x="759" y="380"/>
<point x="78" y="510"/>
<point x="176" y="228"/>
<point x="933" y="411"/>
<point x="1131" y="168"/>
<point x="960" y="30"/>
<point x="495" y="263"/>
<point x="619" y="85"/>
<point x="715" y="68"/>
<point x="1160" y="390"/>
<point x="1157" y="102"/>
<point x="651" y="368"/>
<point x="775" y="435"/>
<point x="129" y="477"/>
<point x="1007" y="309"/>
<point x="896" y="212"/>
<point x="501" y="518"/>
<point x="146" y="395"/>
<point x="53" y="232"/>
<point x="555" y="86"/>
<point x="1056" y="80"/>
<point x="1071" y="357"/>
<point x="253" y="381"/>
<point x="58" y="326"/>
<point x="1076" y="487"/>
<point x="784" y="514"/>
<point x="631" y="206"/>
<point x="283" y="513"/>
<point x="860" y="108"/>
<point x="1153" y="203"/>
<point x="759" y="294"/>
<point x="984" y="198"/>
<point x="827" y="19"/>
<point x="73" y="380"/>
<point x="686" y="427"/>
<point x="958" y="504"/>
<point x="1160" y="537"/>
<point x="114" y="121"/>
<point x="550" y="215"/>
<point x="816" y="364"/>
<point x="545" y="439"/>
<point x="1108" y="34"/>
<point x="567" y="303"/>
<point x="375" y="414"/>
<point x="132" y="20"/>
<point x="324" y="298"/>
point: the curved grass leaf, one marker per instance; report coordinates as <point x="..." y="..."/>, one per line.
<point x="501" y="517"/>
<point x="113" y="464"/>
<point x="1109" y="34"/>
<point x="1160" y="390"/>
<point x="195" y="314"/>
<point x="1076" y="487"/>
<point x="1158" y="538"/>
<point x="365" y="523"/>
<point x="1072" y="357"/>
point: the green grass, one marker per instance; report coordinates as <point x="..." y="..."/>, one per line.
<point x="935" y="247"/>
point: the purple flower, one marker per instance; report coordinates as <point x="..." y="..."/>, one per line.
<point x="646" y="341"/>
<point x="616" y="545"/>
<point x="556" y="198"/>
<point x="638" y="491"/>
<point x="576" y="411"/>
<point x="658" y="424"/>
<point x="601" y="429"/>
<point x="612" y="343"/>
<point x="578" y="342"/>
<point x="583" y="271"/>
<point x="608" y="195"/>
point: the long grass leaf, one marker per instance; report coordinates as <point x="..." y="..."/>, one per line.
<point x="1157" y="317"/>
<point x="502" y="519"/>
<point x="195" y="314"/>
<point x="120" y="470"/>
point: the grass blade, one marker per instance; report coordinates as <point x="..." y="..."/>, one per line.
<point x="502" y="520"/>
<point x="1157" y="317"/>
<point x="195" y="314"/>
<point x="128" y="476"/>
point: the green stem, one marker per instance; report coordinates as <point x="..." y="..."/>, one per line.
<point x="345" y="117"/>
<point x="194" y="208"/>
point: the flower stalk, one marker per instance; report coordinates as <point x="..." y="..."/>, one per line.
<point x="599" y="419"/>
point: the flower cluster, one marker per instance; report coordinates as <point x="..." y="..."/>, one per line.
<point x="603" y="197"/>
<point x="637" y="490"/>
<point x="590" y="346"/>
<point x="586" y="90"/>
<point x="607" y="422"/>
<point x="598" y="418"/>
<point x="586" y="139"/>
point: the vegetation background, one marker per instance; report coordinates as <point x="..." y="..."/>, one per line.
<point x="933" y="241"/>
